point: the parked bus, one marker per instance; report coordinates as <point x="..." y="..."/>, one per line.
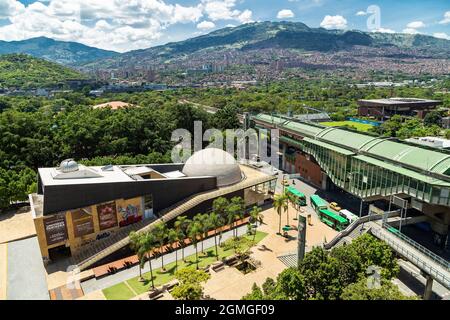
<point x="351" y="217"/>
<point x="318" y="203"/>
<point x="333" y="220"/>
<point x="300" y="198"/>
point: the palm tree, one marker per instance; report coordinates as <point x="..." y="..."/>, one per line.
<point x="160" y="233"/>
<point x="216" y="222"/>
<point x="137" y="245"/>
<point x="235" y="210"/>
<point x="290" y="198"/>
<point x="194" y="232"/>
<point x="280" y="203"/>
<point x="220" y="206"/>
<point x="148" y="246"/>
<point x="256" y="216"/>
<point x="181" y="225"/>
<point x="202" y="220"/>
<point x="174" y="238"/>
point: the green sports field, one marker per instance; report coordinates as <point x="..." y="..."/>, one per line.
<point x="359" y="126"/>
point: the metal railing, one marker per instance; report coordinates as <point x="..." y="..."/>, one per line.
<point x="413" y="257"/>
<point x="444" y="263"/>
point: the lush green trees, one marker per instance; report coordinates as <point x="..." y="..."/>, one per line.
<point x="338" y="274"/>
<point x="235" y="210"/>
<point x="15" y="185"/>
<point x="160" y="234"/>
<point x="361" y="291"/>
<point x="190" y="286"/>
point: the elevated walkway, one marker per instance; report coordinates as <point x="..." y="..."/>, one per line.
<point x="103" y="248"/>
<point x="429" y="263"/>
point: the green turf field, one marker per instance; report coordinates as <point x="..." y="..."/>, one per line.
<point x="359" y="126"/>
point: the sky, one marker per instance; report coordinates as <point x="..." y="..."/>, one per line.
<point x="124" y="25"/>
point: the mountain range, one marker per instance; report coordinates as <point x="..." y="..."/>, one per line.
<point x="279" y="35"/>
<point x="66" y="53"/>
<point x="250" y="37"/>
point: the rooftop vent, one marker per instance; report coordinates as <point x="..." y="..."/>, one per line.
<point x="68" y="165"/>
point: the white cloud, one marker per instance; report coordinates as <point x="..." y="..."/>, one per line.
<point x="383" y="30"/>
<point x="285" y="14"/>
<point x="206" y="25"/>
<point x="446" y="19"/>
<point x="334" y="22"/>
<point x="441" y="35"/>
<point x="110" y="24"/>
<point x="10" y="8"/>
<point x="224" y="10"/>
<point x="410" y="31"/>
<point x="415" y="25"/>
<point x="361" y="13"/>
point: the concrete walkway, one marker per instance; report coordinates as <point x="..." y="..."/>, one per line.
<point x="26" y="273"/>
<point x="108" y="281"/>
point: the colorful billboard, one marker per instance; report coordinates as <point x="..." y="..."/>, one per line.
<point x="83" y="223"/>
<point x="107" y="216"/>
<point x="55" y="229"/>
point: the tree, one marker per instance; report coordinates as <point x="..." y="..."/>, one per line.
<point x="137" y="245"/>
<point x="280" y="203"/>
<point x="256" y="217"/>
<point x="220" y="206"/>
<point x="174" y="238"/>
<point x="433" y="118"/>
<point x="194" y="232"/>
<point x="216" y="222"/>
<point x="190" y="286"/>
<point x="203" y="222"/>
<point x="291" y="284"/>
<point x="181" y="225"/>
<point x="361" y="291"/>
<point x="149" y="243"/>
<point x="160" y="234"/>
<point x="235" y="210"/>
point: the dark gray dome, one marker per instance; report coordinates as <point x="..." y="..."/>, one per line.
<point x="213" y="162"/>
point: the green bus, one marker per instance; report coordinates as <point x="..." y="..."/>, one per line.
<point x="299" y="197"/>
<point x="318" y="203"/>
<point x="333" y="220"/>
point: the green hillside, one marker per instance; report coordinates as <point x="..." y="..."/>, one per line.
<point x="25" y="72"/>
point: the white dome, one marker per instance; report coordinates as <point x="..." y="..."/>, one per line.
<point x="213" y="162"/>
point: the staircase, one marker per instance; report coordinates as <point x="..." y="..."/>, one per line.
<point x="102" y="248"/>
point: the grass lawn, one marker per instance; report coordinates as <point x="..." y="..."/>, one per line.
<point x="122" y="292"/>
<point x="359" y="126"/>
<point x="119" y="291"/>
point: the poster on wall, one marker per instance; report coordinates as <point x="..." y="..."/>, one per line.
<point x="83" y="223"/>
<point x="129" y="214"/>
<point x="55" y="229"/>
<point x="107" y="216"/>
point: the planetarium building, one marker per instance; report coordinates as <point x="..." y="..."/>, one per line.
<point x="79" y="208"/>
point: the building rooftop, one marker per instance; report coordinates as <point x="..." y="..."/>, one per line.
<point x="399" y="101"/>
<point x="399" y="153"/>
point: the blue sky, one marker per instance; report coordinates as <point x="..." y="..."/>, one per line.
<point x="138" y="24"/>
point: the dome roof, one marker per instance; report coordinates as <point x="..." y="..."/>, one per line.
<point x="68" y="165"/>
<point x="213" y="162"/>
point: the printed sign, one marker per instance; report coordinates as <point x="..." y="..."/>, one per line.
<point x="55" y="229"/>
<point x="83" y="223"/>
<point x="107" y="216"/>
